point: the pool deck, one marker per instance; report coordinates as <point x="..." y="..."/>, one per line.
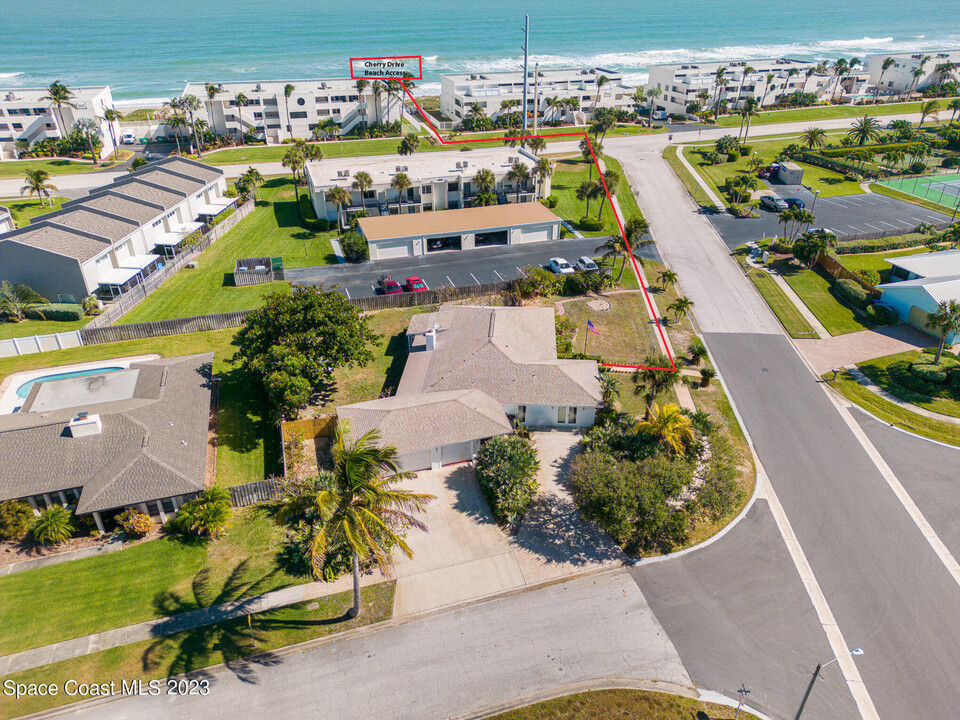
<point x="8" y="386"/>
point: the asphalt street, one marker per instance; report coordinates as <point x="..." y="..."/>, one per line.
<point x="844" y="215"/>
<point x="888" y="590"/>
<point x="451" y="268"/>
<point x="738" y="613"/>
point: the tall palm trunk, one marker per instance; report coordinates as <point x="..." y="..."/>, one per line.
<point x="93" y="152"/>
<point x="623" y="267"/>
<point x="355" y="610"/>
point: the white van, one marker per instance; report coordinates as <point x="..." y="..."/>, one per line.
<point x="129" y="137"/>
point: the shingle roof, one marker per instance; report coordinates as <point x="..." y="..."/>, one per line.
<point x="153" y="445"/>
<point x="455" y="221"/>
<point x="417" y="422"/>
<point x="186" y="167"/>
<point x="933" y="264"/>
<point x="158" y="176"/>
<point x="95" y="223"/>
<point x="122" y="206"/>
<point x="61" y="241"/>
<point x="142" y="191"/>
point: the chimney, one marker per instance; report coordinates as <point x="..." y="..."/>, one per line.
<point x="84" y="425"/>
<point x="431" y="338"/>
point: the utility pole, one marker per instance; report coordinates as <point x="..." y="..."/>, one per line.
<point x="526" y="46"/>
<point x="536" y="95"/>
<point x="742" y="693"/>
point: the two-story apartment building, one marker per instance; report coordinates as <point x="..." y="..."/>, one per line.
<point x="270" y="114"/>
<point x="899" y="77"/>
<point x="680" y="83"/>
<point x="439" y="181"/>
<point x="458" y="92"/>
<point x="25" y="115"/>
<point x="109" y="241"/>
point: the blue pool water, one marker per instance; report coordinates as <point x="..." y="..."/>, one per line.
<point x="24" y="389"/>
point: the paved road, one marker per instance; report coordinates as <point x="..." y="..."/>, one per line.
<point x="451" y="268"/>
<point x="738" y="613"/>
<point x="595" y="628"/>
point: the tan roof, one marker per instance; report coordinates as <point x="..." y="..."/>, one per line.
<point x="61" y="241"/>
<point x="187" y="167"/>
<point x="149" y="193"/>
<point x="95" y="223"/>
<point x="425" y="420"/>
<point x="121" y="206"/>
<point x="451" y="222"/>
<point x="168" y="180"/>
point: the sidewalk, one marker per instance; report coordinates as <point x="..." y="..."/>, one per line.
<point x="696" y="176"/>
<point x="789" y="292"/>
<point x="861" y="378"/>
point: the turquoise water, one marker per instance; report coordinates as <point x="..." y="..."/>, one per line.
<point x="24" y="389"/>
<point x="151" y="50"/>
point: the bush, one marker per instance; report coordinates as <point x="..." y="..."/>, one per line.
<point x="138" y="162"/>
<point x="550" y="201"/>
<point x="852" y="292"/>
<point x="746" y="150"/>
<point x="16" y="517"/>
<point x="564" y="329"/>
<point x="55" y="525"/>
<point x="951" y="161"/>
<point x="896" y="242"/>
<point x="207" y="515"/>
<point x="876" y="149"/>
<point x="733" y="157"/>
<point x="537" y="282"/>
<point x="135" y="524"/>
<point x="507" y="471"/>
<point x="881" y="315"/>
<point x="590" y="223"/>
<point x="928" y="372"/>
<point x="781" y="246"/>
<point x="871" y="277"/>
<point x="580" y="283"/>
<point x="720" y="491"/>
<point x="712" y="157"/>
<point x="322" y="224"/>
<point x="60" y="312"/>
<point x="918" y="167"/>
<point x="355" y="247"/>
<point x="727" y="145"/>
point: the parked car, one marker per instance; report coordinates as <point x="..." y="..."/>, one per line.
<point x="129" y="137"/>
<point x="763" y="173"/>
<point x="560" y="266"/>
<point x="826" y="230"/>
<point x="416" y="284"/>
<point x="586" y="264"/>
<point x="774" y="203"/>
<point x="389" y="286"/>
<point x="795" y="203"/>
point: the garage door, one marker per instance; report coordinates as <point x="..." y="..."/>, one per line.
<point x="384" y="251"/>
<point x="457" y="452"/>
<point x="419" y="460"/>
<point x="534" y="234"/>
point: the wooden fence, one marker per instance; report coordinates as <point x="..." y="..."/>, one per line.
<point x="309" y="428"/>
<point x="881" y="234"/>
<point x="158" y="328"/>
<point x="254" y="492"/>
<point x="430" y="297"/>
<point x="833" y="267"/>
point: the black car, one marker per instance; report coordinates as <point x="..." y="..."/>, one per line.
<point x="795" y="203"/>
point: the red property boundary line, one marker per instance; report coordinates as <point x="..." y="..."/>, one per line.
<point x="652" y="308"/>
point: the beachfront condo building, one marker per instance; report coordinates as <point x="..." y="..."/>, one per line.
<point x="26" y="116"/>
<point x="680" y="84"/>
<point x="502" y="92"/>
<point x="899" y="77"/>
<point x="271" y="114"/>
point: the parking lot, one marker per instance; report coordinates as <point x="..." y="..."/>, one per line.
<point x="453" y="268"/>
<point x="844" y="215"/>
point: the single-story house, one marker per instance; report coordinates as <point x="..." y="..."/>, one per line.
<point x="134" y="437"/>
<point x="470" y="371"/>
<point x="919" y="283"/>
<point x="393" y="236"/>
<point x="6" y="220"/>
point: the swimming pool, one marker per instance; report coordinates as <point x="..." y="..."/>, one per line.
<point x="24" y="389"/>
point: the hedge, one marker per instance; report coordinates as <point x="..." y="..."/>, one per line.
<point x="835" y="165"/>
<point x="61" y="312"/>
<point x="876" y="149"/>
<point x="881" y="315"/>
<point x="871" y="245"/>
<point x="852" y="292"/>
<point x="550" y="201"/>
<point x="589" y="223"/>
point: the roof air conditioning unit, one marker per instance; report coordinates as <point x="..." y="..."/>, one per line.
<point x="459" y="166"/>
<point x="405" y="168"/>
<point x="465" y="163"/>
<point x="399" y="168"/>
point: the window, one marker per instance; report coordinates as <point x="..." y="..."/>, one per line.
<point x="321" y="99"/>
<point x="453" y="187"/>
<point x="66" y="298"/>
<point x="427" y="189"/>
<point x="299" y="115"/>
<point x="17" y="126"/>
<point x="338" y="98"/>
<point x="521" y="413"/>
<point x="354" y="98"/>
<point x="301" y="102"/>
<point x="273" y="127"/>
<point x="567" y="415"/>
<point x="157" y="223"/>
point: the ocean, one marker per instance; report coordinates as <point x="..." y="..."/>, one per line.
<point x="147" y="52"/>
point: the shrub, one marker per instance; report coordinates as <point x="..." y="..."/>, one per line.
<point x="720" y="491"/>
<point x="953" y="377"/>
<point x="896" y="242"/>
<point x="951" y="161"/>
<point x="207" y="515"/>
<point x="507" y="471"/>
<point x="712" y="157"/>
<point x="852" y="292"/>
<point x="696" y="350"/>
<point x="928" y="372"/>
<point x="537" y="282"/>
<point x="55" y="525"/>
<point x="876" y="149"/>
<point x="60" y="312"/>
<point x="871" y="277"/>
<point x="16" y="517"/>
<point x="590" y="223"/>
<point x="564" y="329"/>
<point x="134" y="523"/>
<point x="881" y="315"/>
<point x="355" y="247"/>
<point x="90" y="305"/>
<point x="322" y="224"/>
<point x="745" y="150"/>
<point x="727" y="145"/>
<point x="138" y="162"/>
<point x="550" y="201"/>
<point x="781" y="246"/>
<point x="580" y="283"/>
<point x="918" y="167"/>
<point x="733" y="157"/>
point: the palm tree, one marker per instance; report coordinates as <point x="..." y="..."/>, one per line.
<point x="800" y="218"/>
<point x="887" y="64"/>
<point x="929" y="108"/>
<point x="392" y="89"/>
<point x="541" y="171"/>
<point x="362" y="182"/>
<point x="946" y="321"/>
<point x="287" y="92"/>
<point x="666" y="277"/>
<point x="90" y="130"/>
<point x="893" y="158"/>
<point x="361" y="86"/>
<point x="654" y="378"/>
<point x="17" y="300"/>
<point x="253" y="179"/>
<point x="719" y="78"/>
<point x="696" y="350"/>
<point x="953" y="107"/>
<point x="36" y="184"/>
<point x="507" y="105"/>
<point x="611" y="179"/>
<point x="55" y="525"/>
<point x="207" y="515"/>
<point x="585" y="193"/>
<point x="361" y="508"/>
<point x="626" y="245"/>
<point x="485" y="180"/>
<point x="680" y="307"/>
<point x="609" y="388"/>
<point x="601" y="81"/>
<point x="744" y="185"/>
<point x="944" y="71"/>
<point x="476" y="111"/>
<point x="652" y="95"/>
<point x="175" y="122"/>
<point x="240" y="100"/>
<point x="377" y="89"/>
<point x="668" y="425"/>
<point x="747" y="71"/>
<point x="557" y="105"/>
<point x="751" y="107"/>
<point x="60" y="95"/>
<point x="518" y="174"/>
<point x="191" y="104"/>
<point x="294" y="158"/>
<point x="340" y="198"/>
<point x="400" y="183"/>
<point x="409" y="144"/>
<point x="212" y="91"/>
<point x="814" y="137"/>
<point x="840" y="67"/>
<point x="768" y="80"/>
<point x="917" y="74"/>
<point x="864" y="129"/>
<point x="112" y="115"/>
<point x="706" y="375"/>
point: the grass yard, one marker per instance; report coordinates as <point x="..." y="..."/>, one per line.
<point x="566" y="179"/>
<point x="689" y="182"/>
<point x="25" y="328"/>
<point x="155" y="579"/>
<point x="22" y="211"/>
<point x="888" y="412"/>
<point x="54" y="166"/>
<point x="624" y="194"/>
<point x="679" y="330"/>
<point x="622" y="704"/>
<point x="787" y="313"/>
<point x="826" y="112"/>
<point x="876" y="261"/>
<point x="815" y="288"/>
<point x="192" y="650"/>
<point x="888" y="372"/>
<point x="633" y="404"/>
<point x="627" y="335"/>
<point x="273" y="228"/>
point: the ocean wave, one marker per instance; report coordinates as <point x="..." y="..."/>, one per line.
<point x="6" y="75"/>
<point x="430" y="58"/>
<point x="243" y="70"/>
<point x="865" y="42"/>
<point x="427" y="88"/>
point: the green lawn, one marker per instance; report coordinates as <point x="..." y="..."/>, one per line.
<point x="815" y="288"/>
<point x="566" y="179"/>
<point x="886" y="372"/>
<point x="625" y="196"/>
<point x="626" y="332"/>
<point x="38" y="327"/>
<point x="155" y="579"/>
<point x="877" y="261"/>
<point x="190" y="650"/>
<point x="787" y="313"/>
<point x="689" y="182"/>
<point x="22" y="211"/>
<point x="891" y="413"/>
<point x="54" y="166"/>
<point x="826" y="112"/>
<point x="273" y="228"/>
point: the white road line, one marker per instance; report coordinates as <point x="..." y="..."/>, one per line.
<point x="452" y="284"/>
<point x="882" y="222"/>
<point x="475" y="278"/>
<point x="498" y="275"/>
<point x="917" y="219"/>
<point x="347" y="291"/>
<point x="854" y="227"/>
<point x="873" y="226"/>
<point x="519" y="270"/>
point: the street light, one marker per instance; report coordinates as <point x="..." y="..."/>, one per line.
<point x="816" y="194"/>
<point x="816" y="674"/>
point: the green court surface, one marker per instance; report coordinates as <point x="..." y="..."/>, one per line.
<point x="941" y="189"/>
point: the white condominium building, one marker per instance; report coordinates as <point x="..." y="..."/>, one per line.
<point x="502" y="92"/>
<point x="25" y="115"/>
<point x="680" y="83"/>
<point x="899" y="76"/>
<point x="438" y="181"/>
<point x="270" y="114"/>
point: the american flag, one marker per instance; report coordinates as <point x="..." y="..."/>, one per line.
<point x="591" y="328"/>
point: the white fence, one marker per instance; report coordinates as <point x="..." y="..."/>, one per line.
<point x="12" y="347"/>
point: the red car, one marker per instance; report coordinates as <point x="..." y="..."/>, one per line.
<point x="389" y="286"/>
<point x="416" y="284"/>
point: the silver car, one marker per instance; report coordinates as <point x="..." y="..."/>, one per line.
<point x="560" y="266"/>
<point x="586" y="264"/>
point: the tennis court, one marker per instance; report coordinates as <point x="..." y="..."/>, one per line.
<point x="941" y="189"/>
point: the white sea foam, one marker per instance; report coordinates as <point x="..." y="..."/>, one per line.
<point x="430" y="58"/>
<point x="426" y="89"/>
<point x="140" y="102"/>
<point x="6" y="75"/>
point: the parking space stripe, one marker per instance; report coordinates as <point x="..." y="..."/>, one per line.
<point x="452" y="284"/>
<point x="498" y="275"/>
<point x="475" y="278"/>
<point x="874" y="227"/>
<point x="887" y="224"/>
<point x="522" y="273"/>
<point x="855" y="228"/>
<point x="347" y="291"/>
